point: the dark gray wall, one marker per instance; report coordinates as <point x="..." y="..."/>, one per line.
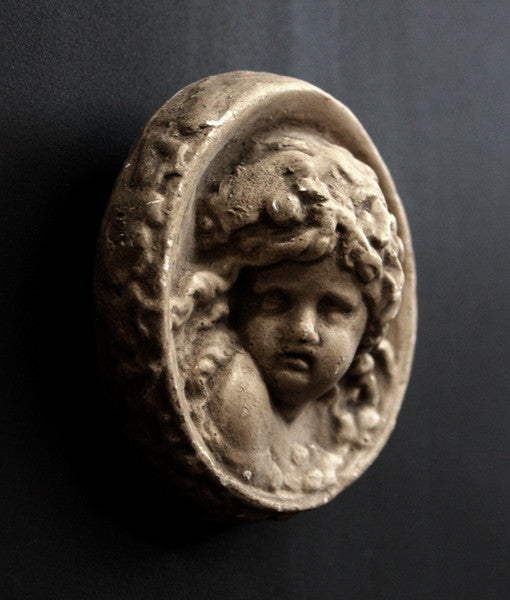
<point x="79" y="517"/>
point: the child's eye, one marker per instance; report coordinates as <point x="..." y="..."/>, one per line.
<point x="273" y="301"/>
<point x="331" y="307"/>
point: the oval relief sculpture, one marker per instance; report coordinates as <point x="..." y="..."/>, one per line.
<point x="256" y="295"/>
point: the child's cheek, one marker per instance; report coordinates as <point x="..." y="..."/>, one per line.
<point x="262" y="335"/>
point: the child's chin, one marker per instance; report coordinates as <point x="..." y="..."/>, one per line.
<point x="295" y="389"/>
<point x="292" y="388"/>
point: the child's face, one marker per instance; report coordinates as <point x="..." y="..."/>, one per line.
<point x="302" y="323"/>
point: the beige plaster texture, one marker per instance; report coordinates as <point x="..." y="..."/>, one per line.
<point x="255" y="290"/>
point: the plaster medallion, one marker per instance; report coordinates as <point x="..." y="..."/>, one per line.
<point x="255" y="292"/>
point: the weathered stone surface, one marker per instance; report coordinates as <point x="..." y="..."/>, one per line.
<point x="255" y="290"/>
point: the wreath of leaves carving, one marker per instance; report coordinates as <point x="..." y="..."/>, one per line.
<point x="130" y="290"/>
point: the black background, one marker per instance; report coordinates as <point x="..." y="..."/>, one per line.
<point x="430" y="83"/>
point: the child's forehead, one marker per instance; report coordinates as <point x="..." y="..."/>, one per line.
<point x="325" y="275"/>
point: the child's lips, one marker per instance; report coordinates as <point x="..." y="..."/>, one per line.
<point x="298" y="361"/>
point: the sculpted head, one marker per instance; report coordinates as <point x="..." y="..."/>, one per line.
<point x="302" y="323"/>
<point x="309" y="258"/>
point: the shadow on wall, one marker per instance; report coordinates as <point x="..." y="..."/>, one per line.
<point x="51" y="337"/>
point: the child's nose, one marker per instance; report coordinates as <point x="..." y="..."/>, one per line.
<point x="306" y="327"/>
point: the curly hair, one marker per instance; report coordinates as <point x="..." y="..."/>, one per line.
<point x="297" y="196"/>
